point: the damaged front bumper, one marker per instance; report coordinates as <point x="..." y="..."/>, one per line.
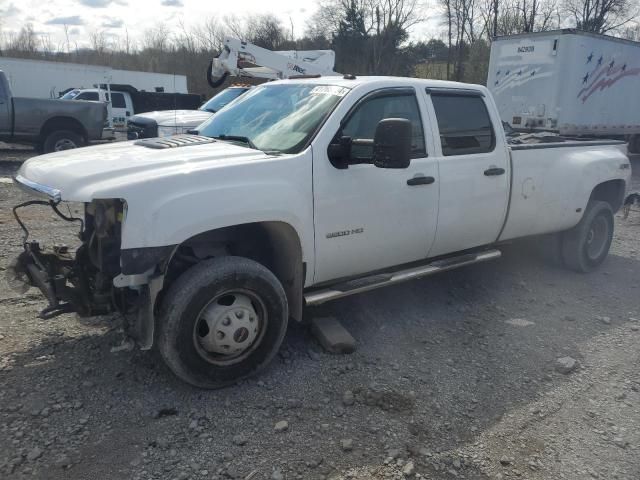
<point x="97" y="277"/>
<point x="49" y="272"/>
<point x="63" y="276"/>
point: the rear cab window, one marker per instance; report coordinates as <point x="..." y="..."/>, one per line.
<point x="117" y="100"/>
<point x="464" y="123"/>
<point x="93" y="96"/>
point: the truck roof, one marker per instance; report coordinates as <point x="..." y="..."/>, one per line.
<point x="566" y="31"/>
<point x="381" y="81"/>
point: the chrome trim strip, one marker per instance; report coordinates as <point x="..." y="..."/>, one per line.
<point x="43" y="190"/>
<point x="322" y="296"/>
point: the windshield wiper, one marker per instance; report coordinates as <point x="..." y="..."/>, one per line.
<point x="237" y="138"/>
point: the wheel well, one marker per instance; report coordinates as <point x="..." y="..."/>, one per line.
<point x="275" y="245"/>
<point x="611" y="192"/>
<point x="62" y="123"/>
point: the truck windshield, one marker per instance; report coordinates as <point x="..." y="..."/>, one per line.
<point x="223" y="98"/>
<point x="275" y="118"/>
<point x="70" y="95"/>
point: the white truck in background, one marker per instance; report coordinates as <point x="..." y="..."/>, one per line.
<point x="125" y="101"/>
<point x="164" y="123"/>
<point x="567" y="81"/>
<point x="300" y="192"/>
<point x="241" y="60"/>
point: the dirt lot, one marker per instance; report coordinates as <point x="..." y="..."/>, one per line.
<point x="455" y="376"/>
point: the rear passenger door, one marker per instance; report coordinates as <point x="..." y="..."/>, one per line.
<point x="474" y="171"/>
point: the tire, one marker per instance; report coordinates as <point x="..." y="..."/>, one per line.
<point x="586" y="245"/>
<point x="206" y="332"/>
<point x="62" y="140"/>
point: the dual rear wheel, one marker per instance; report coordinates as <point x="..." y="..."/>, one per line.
<point x="585" y="246"/>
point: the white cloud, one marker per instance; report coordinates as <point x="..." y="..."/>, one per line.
<point x="73" y="20"/>
<point x="172" y="3"/>
<point x="112" y="23"/>
<point x="10" y="11"/>
<point x="101" y="3"/>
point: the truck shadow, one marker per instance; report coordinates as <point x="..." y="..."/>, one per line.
<point x="439" y="361"/>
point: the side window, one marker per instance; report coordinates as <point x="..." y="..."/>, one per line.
<point x="88" y="96"/>
<point x="363" y="121"/>
<point x="464" y="124"/>
<point x="118" y="100"/>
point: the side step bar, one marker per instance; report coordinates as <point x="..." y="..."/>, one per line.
<point x="364" y="284"/>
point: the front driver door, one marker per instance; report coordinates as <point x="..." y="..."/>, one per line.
<point x="368" y="218"/>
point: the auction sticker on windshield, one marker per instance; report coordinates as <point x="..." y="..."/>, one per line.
<point x="329" y="90"/>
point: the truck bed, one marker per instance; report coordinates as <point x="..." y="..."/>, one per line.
<point x="542" y="200"/>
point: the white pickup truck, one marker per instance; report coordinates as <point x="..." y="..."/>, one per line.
<point x="301" y="192"/>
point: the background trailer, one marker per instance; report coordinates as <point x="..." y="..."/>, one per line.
<point x="42" y="79"/>
<point x="569" y="81"/>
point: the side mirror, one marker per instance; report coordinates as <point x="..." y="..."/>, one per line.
<point x="392" y="143"/>
<point x="340" y="152"/>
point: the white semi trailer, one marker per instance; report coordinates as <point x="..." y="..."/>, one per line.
<point x="44" y="79"/>
<point x="568" y="81"/>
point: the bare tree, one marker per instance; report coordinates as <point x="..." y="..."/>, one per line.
<point x="210" y="34"/>
<point x="508" y="17"/>
<point x="602" y="16"/>
<point x="25" y="41"/>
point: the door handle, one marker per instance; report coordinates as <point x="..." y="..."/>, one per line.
<point x="420" y="180"/>
<point x="493" y="171"/>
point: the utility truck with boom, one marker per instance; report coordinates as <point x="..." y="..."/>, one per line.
<point x="241" y="60"/>
<point x="300" y="192"/>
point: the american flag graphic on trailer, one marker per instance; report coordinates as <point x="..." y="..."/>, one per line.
<point x="603" y="75"/>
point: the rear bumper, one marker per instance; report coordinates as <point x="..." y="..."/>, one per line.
<point x="108" y="134"/>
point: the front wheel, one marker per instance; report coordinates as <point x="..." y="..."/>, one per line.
<point x="586" y="245"/>
<point x="221" y="321"/>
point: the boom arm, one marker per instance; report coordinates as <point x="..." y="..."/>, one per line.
<point x="244" y="59"/>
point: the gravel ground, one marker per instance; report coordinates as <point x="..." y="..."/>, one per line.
<point x="510" y="369"/>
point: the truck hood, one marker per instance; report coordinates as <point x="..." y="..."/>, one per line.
<point x="114" y="170"/>
<point x="181" y="118"/>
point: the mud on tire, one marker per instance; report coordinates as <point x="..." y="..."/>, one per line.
<point x="221" y="321"/>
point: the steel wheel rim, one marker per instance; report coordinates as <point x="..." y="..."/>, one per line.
<point x="64" y="144"/>
<point x="597" y="237"/>
<point x="230" y="327"/>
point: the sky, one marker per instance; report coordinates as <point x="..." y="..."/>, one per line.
<point x="114" y="16"/>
